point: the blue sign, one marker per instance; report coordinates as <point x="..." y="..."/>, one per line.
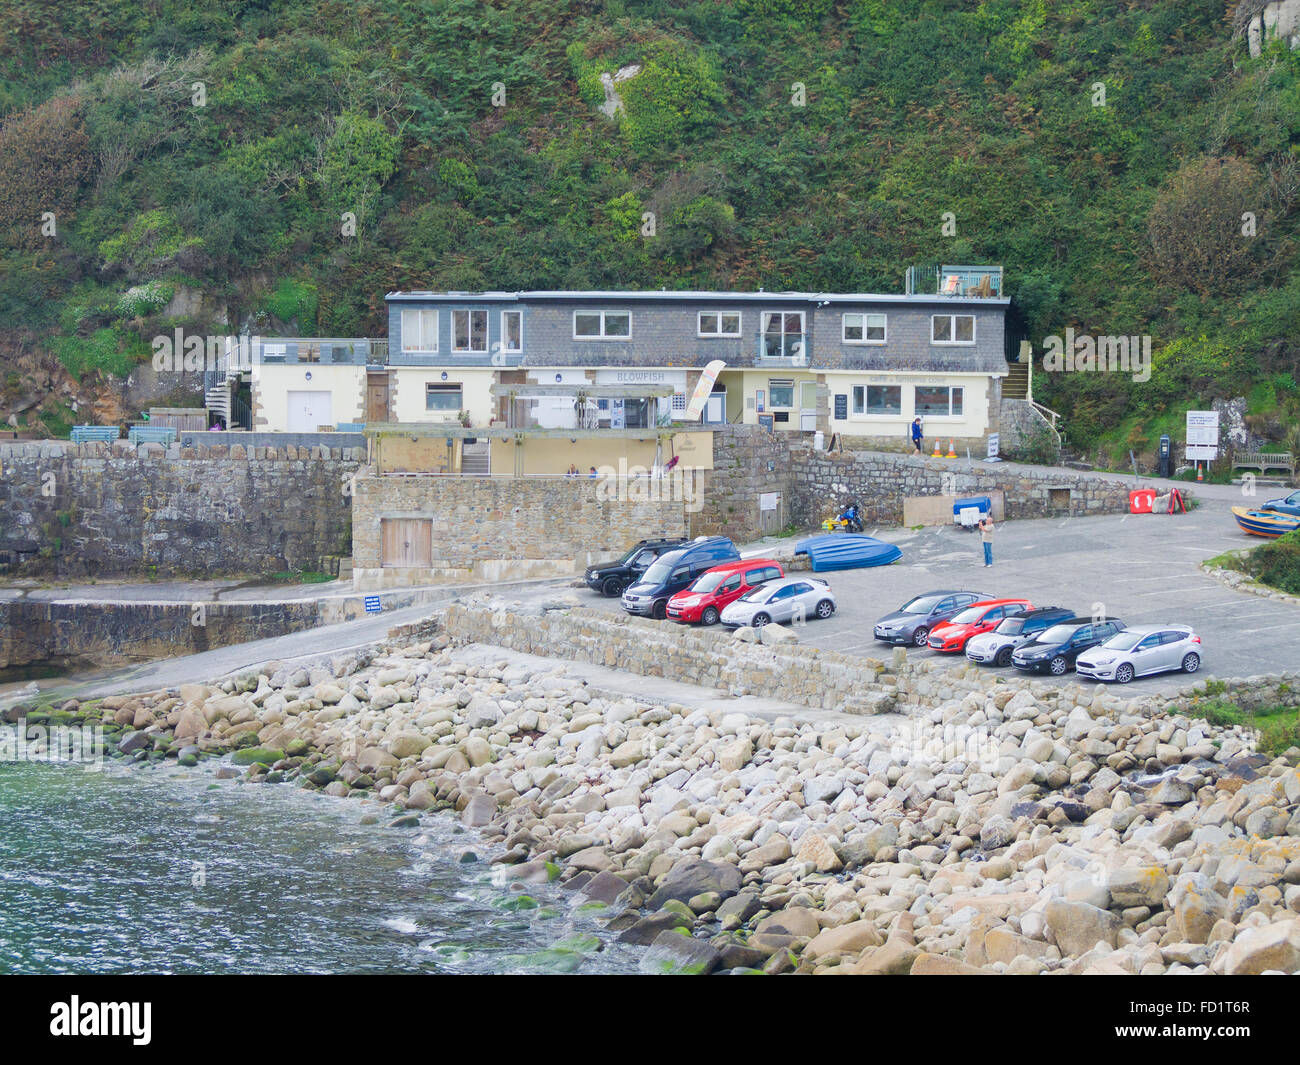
<point x="372" y="604"/>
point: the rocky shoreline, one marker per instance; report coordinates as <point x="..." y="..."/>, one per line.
<point x="1011" y="831"/>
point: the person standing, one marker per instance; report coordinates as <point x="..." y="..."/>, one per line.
<point x="916" y="435"/>
<point x="986" y="537"/>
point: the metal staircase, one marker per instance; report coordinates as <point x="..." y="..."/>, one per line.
<point x="476" y="459"/>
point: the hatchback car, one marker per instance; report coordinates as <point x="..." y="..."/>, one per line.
<point x="1055" y="650"/>
<point x="704" y="600"/>
<point x="1285" y="505"/>
<point x="994" y="648"/>
<point x="1142" y="650"/>
<point x="610" y="578"/>
<point x="950" y="636"/>
<point x="912" y="622"/>
<point x="675" y="570"/>
<point x="789" y="599"/>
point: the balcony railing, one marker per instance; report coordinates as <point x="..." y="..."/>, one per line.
<point x="932" y="279"/>
<point x="782" y="349"/>
<point x="320" y="350"/>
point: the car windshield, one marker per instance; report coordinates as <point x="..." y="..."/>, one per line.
<point x="1010" y="626"/>
<point x="661" y="569"/>
<point x="709" y="581"/>
<point x="967" y="616"/>
<point x="1058" y="634"/>
<point x="922" y="604"/>
<point x="759" y="594"/>
<point x="1124" y="641"/>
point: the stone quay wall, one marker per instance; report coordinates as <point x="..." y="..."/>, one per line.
<point x="498" y="528"/>
<point x="748" y="462"/>
<point x="115" y="510"/>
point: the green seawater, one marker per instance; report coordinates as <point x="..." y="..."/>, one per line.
<point x="157" y="869"/>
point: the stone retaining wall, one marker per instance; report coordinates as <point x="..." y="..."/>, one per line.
<point x="107" y="510"/>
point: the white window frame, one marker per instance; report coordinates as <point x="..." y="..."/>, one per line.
<point x="603" y="334"/>
<point x="782" y="383"/>
<point x="469" y="332"/>
<point x="866" y="412"/>
<point x="505" y="333"/>
<point x="420" y="345"/>
<point x="952" y="330"/>
<point x="917" y="412"/>
<point x="443" y="388"/>
<point x="719" y="334"/>
<point x="803" y="330"/>
<point x="864" y="315"/>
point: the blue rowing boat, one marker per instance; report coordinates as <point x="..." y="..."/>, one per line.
<point x="846" y="551"/>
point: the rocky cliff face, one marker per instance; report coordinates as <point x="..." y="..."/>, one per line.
<point x="1263" y="20"/>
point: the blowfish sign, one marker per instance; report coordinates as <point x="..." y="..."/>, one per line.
<point x="703" y="389"/>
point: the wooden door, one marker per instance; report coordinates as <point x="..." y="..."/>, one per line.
<point x="377" y="398"/>
<point x="407" y="543"/>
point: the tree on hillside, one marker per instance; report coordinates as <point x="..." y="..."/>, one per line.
<point x="44" y="159"/>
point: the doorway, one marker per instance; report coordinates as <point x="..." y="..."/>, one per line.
<point x="377" y="396"/>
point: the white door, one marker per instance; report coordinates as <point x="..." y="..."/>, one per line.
<point x="310" y="409"/>
<point x="715" y="408"/>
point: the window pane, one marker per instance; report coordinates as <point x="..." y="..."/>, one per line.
<point x="956" y="400"/>
<point x="885" y="399"/>
<point x="618" y="325"/>
<point x="859" y="401"/>
<point x="731" y="325"/>
<point x="771" y="322"/>
<point x="853" y="327"/>
<point x="708" y="323"/>
<point x="942" y="328"/>
<point x="478" y="330"/>
<point x="586" y="325"/>
<point x="965" y="328"/>
<point x="875" y="327"/>
<point x="460" y="330"/>
<point x="794" y="323"/>
<point x="512" y="328"/>
<point x="429" y="330"/>
<point x="931" y="400"/>
<point x="442" y="398"/>
<point x="781" y="395"/>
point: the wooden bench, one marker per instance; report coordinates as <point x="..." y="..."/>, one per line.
<point x="1265" y="461"/>
<point x="141" y="434"/>
<point x="84" y="434"/>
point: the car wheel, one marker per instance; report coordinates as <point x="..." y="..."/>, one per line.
<point x="1003" y="658"/>
<point x="660" y="609"/>
<point x="612" y="586"/>
<point x="760" y="620"/>
<point x="920" y="636"/>
<point x="1191" y="662"/>
<point x="710" y="615"/>
<point x="1058" y="666"/>
<point x="1124" y="673"/>
<point x="825" y="609"/>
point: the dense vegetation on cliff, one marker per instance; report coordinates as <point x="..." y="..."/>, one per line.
<point x="293" y="160"/>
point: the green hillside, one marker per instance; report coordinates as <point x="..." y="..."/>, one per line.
<point x="217" y="146"/>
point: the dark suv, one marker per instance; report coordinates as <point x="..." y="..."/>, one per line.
<point x="1056" y="649"/>
<point x="610" y="578"/>
<point x="675" y="570"/>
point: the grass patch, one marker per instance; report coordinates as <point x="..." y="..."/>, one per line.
<point x="1277" y="728"/>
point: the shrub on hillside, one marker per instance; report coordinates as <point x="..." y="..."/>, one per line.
<point x="44" y="159"/>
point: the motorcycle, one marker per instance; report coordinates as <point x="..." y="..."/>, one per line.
<point x="849" y="520"/>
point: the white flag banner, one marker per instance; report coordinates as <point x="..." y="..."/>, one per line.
<point x="695" y="408"/>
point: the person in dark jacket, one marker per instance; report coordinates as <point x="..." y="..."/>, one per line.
<point x="916" y="435"/>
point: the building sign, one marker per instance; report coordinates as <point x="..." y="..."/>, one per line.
<point x="769" y="500"/>
<point x="1203" y="435"/>
<point x="372" y="604"/>
<point x="841" y="406"/>
<point x="993" y="447"/>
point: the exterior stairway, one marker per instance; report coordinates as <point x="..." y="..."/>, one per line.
<point x="476" y="459"/>
<point x="1016" y="384"/>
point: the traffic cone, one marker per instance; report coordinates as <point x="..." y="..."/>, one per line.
<point x="1199" y="475"/>
<point x="952" y="449"/>
<point x="937" y="453"/>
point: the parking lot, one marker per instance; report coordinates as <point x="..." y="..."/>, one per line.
<point x="1143" y="569"/>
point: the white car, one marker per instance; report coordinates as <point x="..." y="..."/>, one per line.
<point x="784" y="600"/>
<point x="1142" y="650"/>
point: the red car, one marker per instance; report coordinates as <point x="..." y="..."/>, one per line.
<point x="703" y="601"/>
<point x="950" y="636"/>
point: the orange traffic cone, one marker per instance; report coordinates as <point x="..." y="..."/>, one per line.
<point x="952" y="449"/>
<point x="1199" y="476"/>
<point x="937" y="453"/>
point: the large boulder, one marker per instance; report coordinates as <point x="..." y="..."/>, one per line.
<point x="1145" y="885"/>
<point x="674" y="953"/>
<point x="1077" y="927"/>
<point x="1274" y="948"/>
<point x="692" y="877"/>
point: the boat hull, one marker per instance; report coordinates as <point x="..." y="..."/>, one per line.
<point x="846" y="551"/>
<point x="1264" y="523"/>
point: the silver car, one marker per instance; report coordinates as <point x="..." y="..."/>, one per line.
<point x="1141" y="650"/>
<point x="784" y="600"/>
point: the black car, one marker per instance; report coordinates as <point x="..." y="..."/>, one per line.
<point x="912" y="622"/>
<point x="994" y="648"/>
<point x="1056" y="649"/>
<point x="610" y="578"/>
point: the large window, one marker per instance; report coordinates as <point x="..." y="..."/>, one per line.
<point x="877" y="399"/>
<point x="780" y="394"/>
<point x="512" y="330"/>
<point x="719" y="324"/>
<point x="941" y="401"/>
<point x="444" y="398"/>
<point x="952" y="329"/>
<point x="864" y="329"/>
<point x="419" y="330"/>
<point x="783" y="334"/>
<point x="602" y="325"/>
<point x="469" y="330"/>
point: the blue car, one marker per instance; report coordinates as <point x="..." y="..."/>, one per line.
<point x="1286" y="505"/>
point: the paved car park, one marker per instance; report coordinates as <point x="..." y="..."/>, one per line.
<point x="1143" y="569"/>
